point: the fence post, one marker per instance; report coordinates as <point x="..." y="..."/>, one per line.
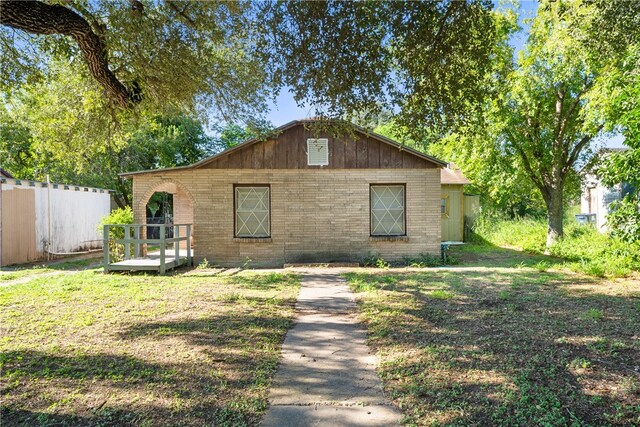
<point x="162" y="245"/>
<point x="105" y="247"/>
<point x="189" y="245"/>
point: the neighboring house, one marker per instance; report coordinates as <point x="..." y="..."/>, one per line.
<point x="38" y="220"/>
<point x="304" y="197"/>
<point x="456" y="207"/>
<point x="597" y="198"/>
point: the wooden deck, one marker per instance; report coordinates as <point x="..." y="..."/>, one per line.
<point x="161" y="260"/>
<point x="149" y="263"/>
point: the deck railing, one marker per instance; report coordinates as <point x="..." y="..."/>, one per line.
<point x="131" y="236"/>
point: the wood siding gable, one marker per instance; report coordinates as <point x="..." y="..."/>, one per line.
<point x="288" y="151"/>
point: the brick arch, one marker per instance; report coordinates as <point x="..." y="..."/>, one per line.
<point x="158" y="186"/>
<point x="183" y="204"/>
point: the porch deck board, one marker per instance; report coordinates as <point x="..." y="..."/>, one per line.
<point x="147" y="263"/>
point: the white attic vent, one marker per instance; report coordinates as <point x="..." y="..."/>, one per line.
<point x="318" y="152"/>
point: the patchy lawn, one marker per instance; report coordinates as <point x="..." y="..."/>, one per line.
<point x="10" y="274"/>
<point x="510" y="346"/>
<point x="95" y="349"/>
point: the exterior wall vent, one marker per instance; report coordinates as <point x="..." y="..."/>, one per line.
<point x="317" y="152"/>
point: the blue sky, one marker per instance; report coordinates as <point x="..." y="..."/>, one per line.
<point x="285" y="109"/>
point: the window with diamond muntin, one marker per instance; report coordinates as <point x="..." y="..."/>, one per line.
<point x="387" y="210"/>
<point x="252" y="211"/>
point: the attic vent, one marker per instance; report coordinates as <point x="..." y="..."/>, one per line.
<point x="318" y="152"/>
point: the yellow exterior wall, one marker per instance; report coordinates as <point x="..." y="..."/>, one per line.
<point x="316" y="215"/>
<point x="453" y="219"/>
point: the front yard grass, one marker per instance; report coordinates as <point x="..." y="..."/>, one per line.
<point x="508" y="346"/>
<point x="95" y="349"/>
<point x="15" y="273"/>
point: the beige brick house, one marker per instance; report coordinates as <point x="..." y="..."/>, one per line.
<point x="304" y="196"/>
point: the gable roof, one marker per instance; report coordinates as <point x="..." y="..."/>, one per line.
<point x="250" y="142"/>
<point x="452" y="176"/>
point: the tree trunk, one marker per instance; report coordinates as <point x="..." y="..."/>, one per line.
<point x="120" y="202"/>
<point x="123" y="195"/>
<point x="554" y="214"/>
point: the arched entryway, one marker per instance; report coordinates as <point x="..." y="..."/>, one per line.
<point x="170" y="202"/>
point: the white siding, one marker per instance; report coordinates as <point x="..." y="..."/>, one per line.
<point x="596" y="199"/>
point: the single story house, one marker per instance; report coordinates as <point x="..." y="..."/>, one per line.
<point x="40" y="220"/>
<point x="305" y="195"/>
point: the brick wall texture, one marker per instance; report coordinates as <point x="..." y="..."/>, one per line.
<point x="316" y="215"/>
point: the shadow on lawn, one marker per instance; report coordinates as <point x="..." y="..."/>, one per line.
<point x="120" y="370"/>
<point x="483" y="253"/>
<point x="211" y="371"/>
<point x="117" y="417"/>
<point x="509" y="348"/>
<point x="215" y="330"/>
<point x="104" y="377"/>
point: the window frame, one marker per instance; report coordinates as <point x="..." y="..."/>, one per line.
<point x="235" y="210"/>
<point x="404" y="208"/>
<point x="444" y="214"/>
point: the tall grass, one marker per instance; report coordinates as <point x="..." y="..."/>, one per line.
<point x="583" y="248"/>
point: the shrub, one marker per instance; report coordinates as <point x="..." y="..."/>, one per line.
<point x="117" y="216"/>
<point x="426" y="260"/>
<point x="374" y="261"/>
<point x="624" y="219"/>
<point x="527" y="234"/>
<point x="204" y="264"/>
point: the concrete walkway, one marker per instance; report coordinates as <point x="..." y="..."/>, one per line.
<point x="327" y="375"/>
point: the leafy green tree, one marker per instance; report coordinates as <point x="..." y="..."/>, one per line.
<point x="349" y="59"/>
<point x="494" y="173"/>
<point x="159" y="142"/>
<point x="624" y="167"/>
<point x="341" y="57"/>
<point x="545" y="110"/>
<point x="57" y="127"/>
<point x="161" y="55"/>
<point x="232" y="134"/>
<point x="544" y="116"/>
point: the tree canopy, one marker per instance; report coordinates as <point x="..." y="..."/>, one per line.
<point x="226" y="57"/>
<point x="423" y="59"/>
<point x="161" y="55"/>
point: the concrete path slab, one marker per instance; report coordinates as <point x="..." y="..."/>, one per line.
<point x="327" y="374"/>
